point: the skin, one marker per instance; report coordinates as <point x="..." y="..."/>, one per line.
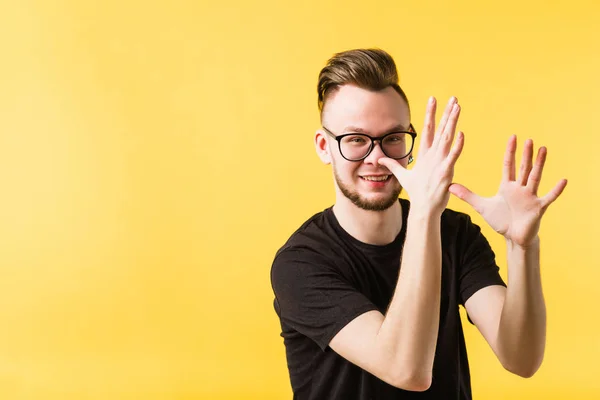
<point x="399" y="347"/>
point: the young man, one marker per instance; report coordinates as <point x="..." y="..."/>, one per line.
<point x="368" y="291"/>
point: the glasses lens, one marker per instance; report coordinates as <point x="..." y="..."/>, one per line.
<point x="355" y="147"/>
<point x="397" y="145"/>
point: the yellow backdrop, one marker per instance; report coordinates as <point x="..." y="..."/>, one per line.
<point x="154" y="157"/>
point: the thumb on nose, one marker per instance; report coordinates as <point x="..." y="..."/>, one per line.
<point x="394" y="166"/>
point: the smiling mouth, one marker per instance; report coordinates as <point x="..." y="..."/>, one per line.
<point x="381" y="178"/>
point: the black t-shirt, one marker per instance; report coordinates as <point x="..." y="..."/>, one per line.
<point x="323" y="278"/>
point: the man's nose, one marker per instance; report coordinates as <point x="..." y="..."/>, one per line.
<point x="375" y="154"/>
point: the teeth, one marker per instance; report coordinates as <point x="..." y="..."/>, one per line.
<point x="376" y="178"/>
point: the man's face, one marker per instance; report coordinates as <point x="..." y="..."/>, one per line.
<point x="353" y="109"/>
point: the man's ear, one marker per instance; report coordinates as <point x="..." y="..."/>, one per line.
<point x="322" y="147"/>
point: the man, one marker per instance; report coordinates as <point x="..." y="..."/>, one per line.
<point x="368" y="291"/>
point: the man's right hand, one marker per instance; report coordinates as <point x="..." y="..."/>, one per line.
<point x="428" y="181"/>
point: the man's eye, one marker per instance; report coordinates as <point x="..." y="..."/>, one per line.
<point x="356" y="139"/>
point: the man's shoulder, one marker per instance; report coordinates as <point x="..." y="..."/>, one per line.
<point x="458" y="230"/>
<point x="310" y="235"/>
<point x="453" y="220"/>
<point x="306" y="253"/>
<point x="454" y="213"/>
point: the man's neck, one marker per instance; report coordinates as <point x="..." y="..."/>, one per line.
<point x="372" y="227"/>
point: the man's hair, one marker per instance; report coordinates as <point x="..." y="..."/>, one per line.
<point x="371" y="69"/>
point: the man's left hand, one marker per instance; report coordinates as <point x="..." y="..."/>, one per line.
<point x="516" y="210"/>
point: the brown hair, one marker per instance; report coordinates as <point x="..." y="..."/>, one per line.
<point x="371" y="69"/>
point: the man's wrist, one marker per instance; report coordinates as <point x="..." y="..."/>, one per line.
<point x="423" y="214"/>
<point x="533" y="244"/>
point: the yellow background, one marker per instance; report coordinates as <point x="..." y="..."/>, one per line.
<point x="155" y="155"/>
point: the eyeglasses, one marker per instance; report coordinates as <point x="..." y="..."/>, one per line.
<point x="358" y="146"/>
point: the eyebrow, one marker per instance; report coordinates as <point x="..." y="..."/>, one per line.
<point x="356" y="129"/>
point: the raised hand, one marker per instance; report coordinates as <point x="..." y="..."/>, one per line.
<point x="516" y="210"/>
<point x="428" y="181"/>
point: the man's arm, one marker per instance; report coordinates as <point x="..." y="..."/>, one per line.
<point x="400" y="347"/>
<point x="513" y="319"/>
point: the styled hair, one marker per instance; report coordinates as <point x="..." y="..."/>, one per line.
<point x="371" y="69"/>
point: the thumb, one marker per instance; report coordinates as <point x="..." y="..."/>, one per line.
<point x="466" y="195"/>
<point x="394" y="166"/>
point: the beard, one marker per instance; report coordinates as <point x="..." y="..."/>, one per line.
<point x="381" y="204"/>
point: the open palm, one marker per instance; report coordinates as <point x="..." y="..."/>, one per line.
<point x="516" y="210"/>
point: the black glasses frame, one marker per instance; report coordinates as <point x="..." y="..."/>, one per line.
<point x="379" y="139"/>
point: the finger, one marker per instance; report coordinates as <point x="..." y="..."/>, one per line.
<point x="508" y="172"/>
<point x="447" y="135"/>
<point x="467" y="196"/>
<point x="535" y="177"/>
<point x="526" y="162"/>
<point x="444" y="120"/>
<point x="554" y="193"/>
<point x="394" y="167"/>
<point x="456" y="149"/>
<point x="429" y="126"/>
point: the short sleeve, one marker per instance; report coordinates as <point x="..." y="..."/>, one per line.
<point x="312" y="297"/>
<point x="478" y="267"/>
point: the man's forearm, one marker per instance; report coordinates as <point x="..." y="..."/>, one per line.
<point x="522" y="329"/>
<point x="410" y="328"/>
